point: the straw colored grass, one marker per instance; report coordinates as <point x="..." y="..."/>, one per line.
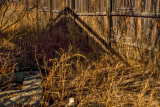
<point x="107" y="82"/>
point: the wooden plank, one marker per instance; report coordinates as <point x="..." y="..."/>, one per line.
<point x="84" y="6"/>
<point x="127" y="3"/>
<point x="114" y="27"/>
<point x="145" y="26"/>
<point x="47" y="4"/>
<point x="73" y="5"/>
<point x="54" y="4"/>
<point x="92" y="6"/>
<point x="51" y="8"/>
<point x="58" y="5"/>
<point x="97" y="6"/>
<point x="104" y="6"/>
<point x="158" y="6"/>
<point x="31" y="3"/>
<point x="148" y="6"/>
<point x="61" y="4"/>
<point x="109" y="10"/>
<point x="64" y="3"/>
<point x="68" y="4"/>
<point x="152" y="6"/>
<point x="89" y="6"/>
<point x="80" y="6"/>
<point x="76" y="5"/>
<point x="154" y="35"/>
<point x="100" y="7"/>
<point x="113" y="5"/>
<point x="105" y="27"/>
<point x="143" y="6"/>
<point x="139" y="21"/>
<point x="132" y="28"/>
<point x="123" y="4"/>
<point x="127" y="27"/>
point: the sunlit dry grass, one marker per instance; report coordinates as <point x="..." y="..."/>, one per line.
<point x="107" y="82"/>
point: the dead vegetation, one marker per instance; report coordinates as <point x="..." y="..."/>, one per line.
<point x="105" y="82"/>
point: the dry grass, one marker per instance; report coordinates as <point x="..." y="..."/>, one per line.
<point x="107" y="82"/>
<point x="104" y="81"/>
<point x="7" y="67"/>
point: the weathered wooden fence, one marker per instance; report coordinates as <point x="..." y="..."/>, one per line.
<point x="137" y="20"/>
<point x="129" y="22"/>
<point x="127" y="25"/>
<point x="114" y="20"/>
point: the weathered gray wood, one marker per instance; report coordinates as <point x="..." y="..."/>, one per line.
<point x="79" y="6"/>
<point x="53" y="5"/>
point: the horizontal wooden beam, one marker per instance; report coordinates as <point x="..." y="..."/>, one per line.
<point x="146" y="15"/>
<point x="92" y="14"/>
<point x="127" y="14"/>
<point x="135" y="14"/>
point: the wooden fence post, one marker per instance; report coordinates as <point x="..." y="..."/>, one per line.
<point x="109" y="20"/>
<point x="51" y="9"/>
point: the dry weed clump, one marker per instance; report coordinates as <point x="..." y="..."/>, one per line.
<point x="7" y="67"/>
<point x="105" y="82"/>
